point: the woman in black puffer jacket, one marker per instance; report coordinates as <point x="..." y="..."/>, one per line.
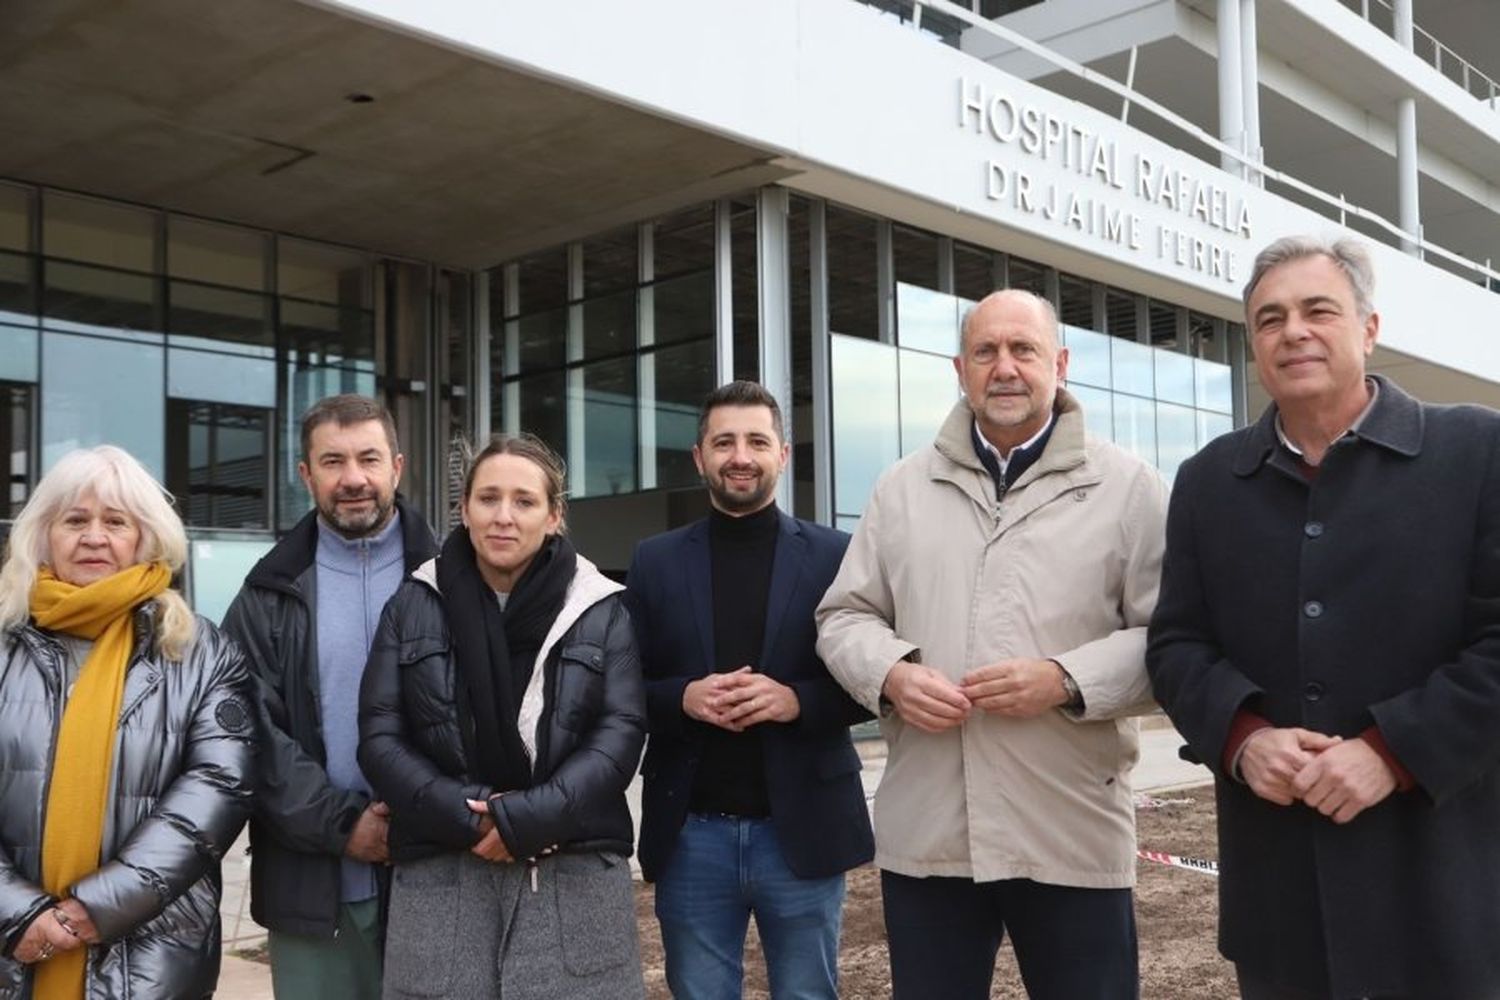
<point x="502" y="716"/>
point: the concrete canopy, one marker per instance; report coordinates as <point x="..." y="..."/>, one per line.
<point x="247" y="111"/>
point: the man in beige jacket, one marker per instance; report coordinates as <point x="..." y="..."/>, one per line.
<point x="992" y="608"/>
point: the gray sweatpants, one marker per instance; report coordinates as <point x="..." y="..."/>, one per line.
<point x="470" y="929"/>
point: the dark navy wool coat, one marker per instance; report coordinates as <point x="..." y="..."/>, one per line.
<point x="1367" y="596"/>
<point x="812" y="769"/>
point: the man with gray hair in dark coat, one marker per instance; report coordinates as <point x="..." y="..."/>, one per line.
<point x="1328" y="641"/>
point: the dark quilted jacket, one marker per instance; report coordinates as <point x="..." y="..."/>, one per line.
<point x="301" y="821"/>
<point x="589" y="713"/>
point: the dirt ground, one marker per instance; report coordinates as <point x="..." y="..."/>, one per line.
<point x="1176" y="912"/>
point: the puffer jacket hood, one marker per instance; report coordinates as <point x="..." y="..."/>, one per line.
<point x="180" y="792"/>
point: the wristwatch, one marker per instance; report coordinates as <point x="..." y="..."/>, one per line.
<point x="1070" y="688"/>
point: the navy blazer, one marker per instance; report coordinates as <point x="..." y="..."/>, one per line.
<point x="812" y="769"/>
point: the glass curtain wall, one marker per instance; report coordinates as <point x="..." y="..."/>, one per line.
<point x="606" y="349"/>
<point x="19" y="346"/>
<point x="1153" y="377"/>
<point x="196" y="346"/>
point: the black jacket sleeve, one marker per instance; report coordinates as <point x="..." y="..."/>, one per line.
<point x="663" y="687"/>
<point x="421" y="797"/>
<point x="600" y="768"/>
<point x="823" y="706"/>
<point x="295" y="801"/>
<point x="1443" y="731"/>
<point x="1192" y="679"/>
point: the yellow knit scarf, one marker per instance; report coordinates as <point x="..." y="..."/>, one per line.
<point x="73" y="831"/>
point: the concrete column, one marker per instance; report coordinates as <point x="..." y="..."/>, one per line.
<point x="723" y="293"/>
<point x="645" y="319"/>
<point x="773" y="270"/>
<point x="1250" y="87"/>
<point x="1231" y="82"/>
<point x="510" y="421"/>
<point x="1407" y="174"/>
<point x="482" y="379"/>
<point x="577" y="408"/>
<point x="822" y="367"/>
<point x="885" y="282"/>
<point x="1239" y="368"/>
<point x="1404" y="26"/>
<point x="1407" y="159"/>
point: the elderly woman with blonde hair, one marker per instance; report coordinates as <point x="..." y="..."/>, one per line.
<point x="126" y="746"/>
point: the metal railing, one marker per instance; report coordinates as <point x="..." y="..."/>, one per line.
<point x="1426" y="47"/>
<point x="947" y="22"/>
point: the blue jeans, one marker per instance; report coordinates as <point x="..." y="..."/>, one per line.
<point x="724" y="869"/>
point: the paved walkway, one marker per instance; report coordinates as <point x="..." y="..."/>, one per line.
<point x="1159" y="770"/>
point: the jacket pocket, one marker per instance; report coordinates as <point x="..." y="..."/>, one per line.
<point x="421" y="928"/>
<point x="1101" y="741"/>
<point x="423" y="677"/>
<point x="595" y="912"/>
<point x="418" y="648"/>
<point x="580" y="685"/>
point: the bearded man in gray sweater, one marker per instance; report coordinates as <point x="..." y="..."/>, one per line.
<point x="306" y="617"/>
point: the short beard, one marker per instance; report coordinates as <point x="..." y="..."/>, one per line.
<point x="359" y="525"/>
<point x="740" y="503"/>
<point x="1035" y="409"/>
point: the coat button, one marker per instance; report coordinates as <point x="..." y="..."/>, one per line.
<point x="1313" y="609"/>
<point x="1312" y="691"/>
<point x="1313" y="529"/>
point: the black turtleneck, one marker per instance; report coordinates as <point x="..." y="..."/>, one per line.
<point x="731" y="774"/>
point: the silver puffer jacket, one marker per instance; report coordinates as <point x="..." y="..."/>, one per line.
<point x="183" y="775"/>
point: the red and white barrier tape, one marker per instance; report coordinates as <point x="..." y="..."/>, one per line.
<point x="1202" y="865"/>
<point x="1144" y="802"/>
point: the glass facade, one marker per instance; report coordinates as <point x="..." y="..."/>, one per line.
<point x="196" y="346"/>
<point x="890" y="400"/>
<point x="607" y="347"/>
<point x="609" y="344"/>
<point x="890" y="395"/>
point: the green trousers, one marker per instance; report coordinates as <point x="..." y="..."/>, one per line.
<point x="347" y="967"/>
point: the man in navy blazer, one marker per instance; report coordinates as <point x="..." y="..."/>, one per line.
<point x="752" y="799"/>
